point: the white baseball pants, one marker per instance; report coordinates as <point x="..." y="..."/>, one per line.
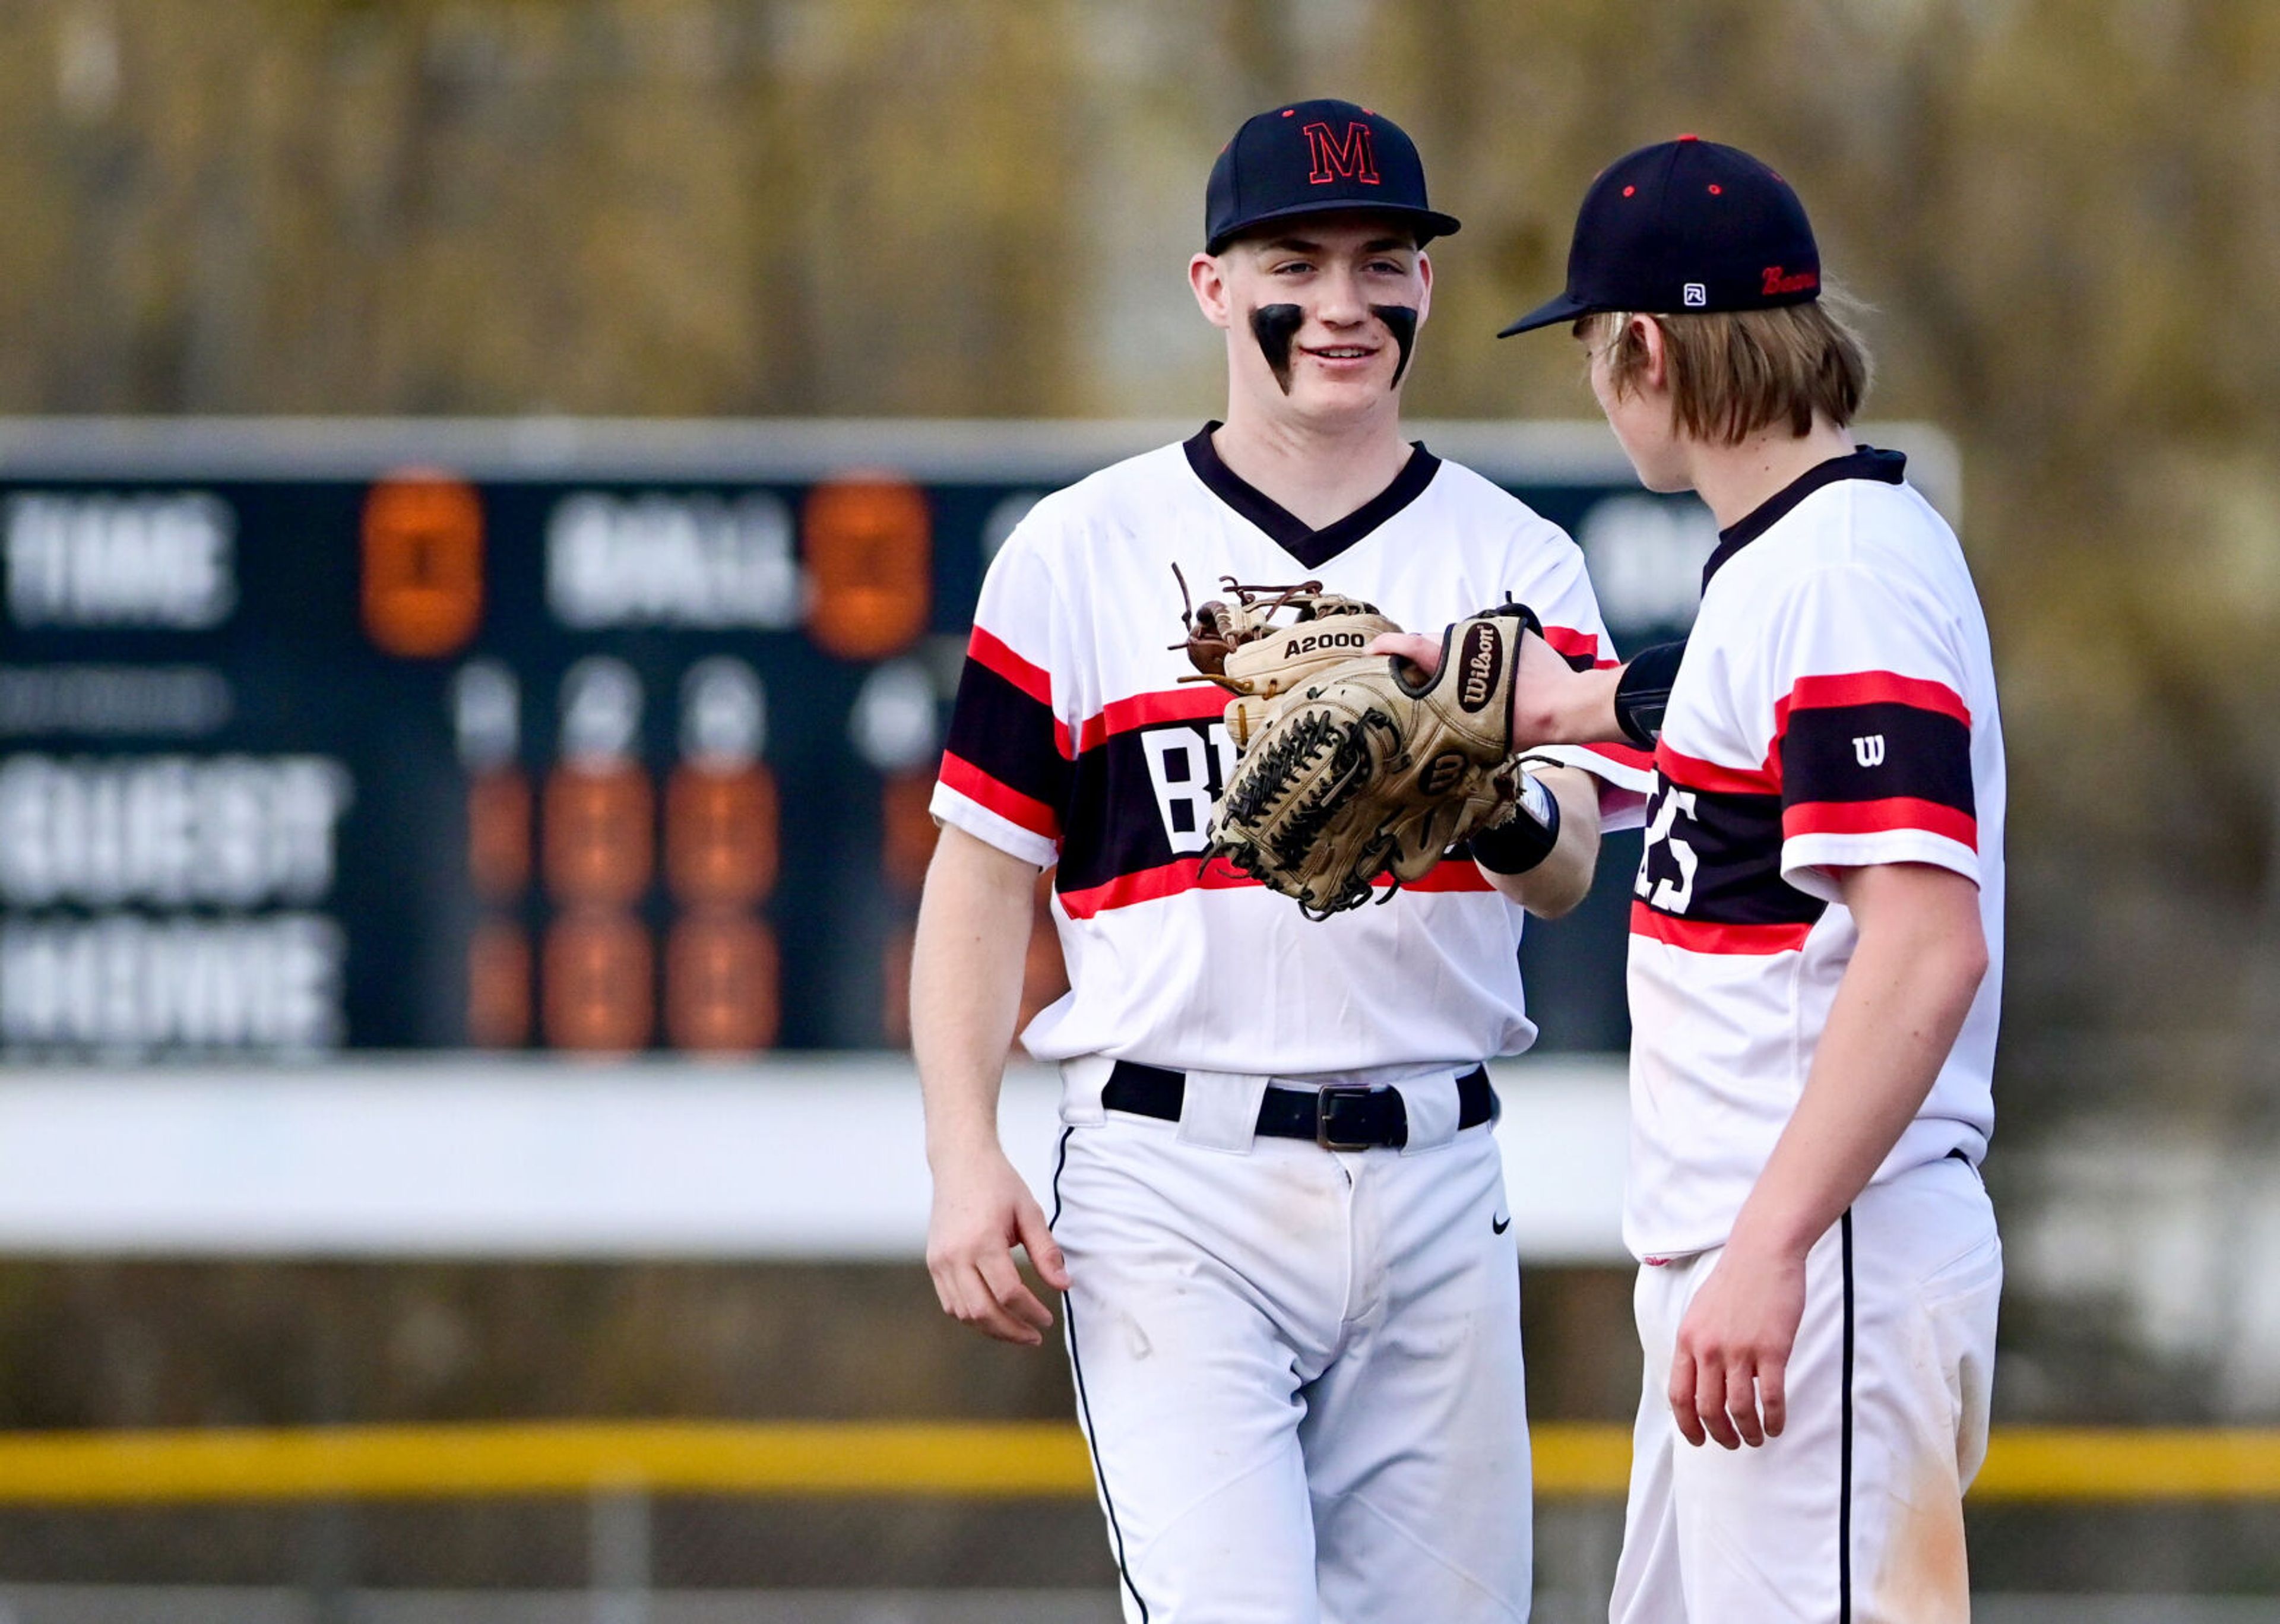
<point x="1854" y="1515"/>
<point x="1300" y="1373"/>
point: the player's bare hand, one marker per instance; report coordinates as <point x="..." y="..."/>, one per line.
<point x="1420" y="651"/>
<point x="1726" y="1379"/>
<point x="1551" y="702"/>
<point x="982" y="1210"/>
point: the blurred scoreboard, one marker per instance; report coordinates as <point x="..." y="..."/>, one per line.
<point x="573" y="735"/>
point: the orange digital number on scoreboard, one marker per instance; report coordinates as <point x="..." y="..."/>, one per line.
<point x="598" y="970"/>
<point x="895" y="986"/>
<point x="599" y="834"/>
<point x="906" y="829"/>
<point x="423" y="564"/>
<point x="720" y="834"/>
<point x="868" y="541"/>
<point x="720" y="983"/>
<point x="499" y="835"/>
<point x="499" y="986"/>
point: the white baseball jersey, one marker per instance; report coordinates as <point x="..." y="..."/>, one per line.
<point x="1835" y="708"/>
<point x="1075" y="742"/>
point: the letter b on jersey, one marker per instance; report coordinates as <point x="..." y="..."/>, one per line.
<point x="1187" y="765"/>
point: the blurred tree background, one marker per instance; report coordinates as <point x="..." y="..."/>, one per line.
<point x="2065" y="215"/>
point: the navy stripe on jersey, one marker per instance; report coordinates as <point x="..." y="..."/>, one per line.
<point x="1710" y="878"/>
<point x="1128" y="794"/>
<point x="1142" y="795"/>
<point x="1865" y="462"/>
<point x="1871" y="751"/>
<point x="1147" y="772"/>
<point x="1006" y="750"/>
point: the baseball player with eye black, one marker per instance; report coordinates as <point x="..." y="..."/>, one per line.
<point x="1276" y="1218"/>
<point x="1816" y="933"/>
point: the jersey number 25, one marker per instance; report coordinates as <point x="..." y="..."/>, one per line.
<point x="1670" y="895"/>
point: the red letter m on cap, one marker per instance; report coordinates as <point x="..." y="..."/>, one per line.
<point x="1353" y="157"/>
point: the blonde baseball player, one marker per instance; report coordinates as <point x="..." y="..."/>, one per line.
<point x="1816" y="936"/>
<point x="1277" y="1218"/>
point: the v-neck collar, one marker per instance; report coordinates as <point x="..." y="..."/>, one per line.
<point x="1311" y="547"/>
<point x="1864" y="462"/>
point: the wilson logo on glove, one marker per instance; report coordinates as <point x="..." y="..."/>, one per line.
<point x="1483" y="661"/>
<point x="1443" y="775"/>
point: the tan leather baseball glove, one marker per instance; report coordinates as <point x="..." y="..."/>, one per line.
<point x="1353" y="764"/>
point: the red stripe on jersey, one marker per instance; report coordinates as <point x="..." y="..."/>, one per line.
<point x="1625" y="755"/>
<point x="1899" y="812"/>
<point x="1191" y="873"/>
<point x="1197" y="701"/>
<point x="1703" y="936"/>
<point x="1033" y="680"/>
<point x="1869" y="688"/>
<point x="1692" y="773"/>
<point x="1449" y="874"/>
<point x="990" y="652"/>
<point x="1181" y="873"/>
<point x="1007" y="802"/>
<point x="1569" y="643"/>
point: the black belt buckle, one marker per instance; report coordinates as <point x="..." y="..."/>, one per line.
<point x="1326" y="1100"/>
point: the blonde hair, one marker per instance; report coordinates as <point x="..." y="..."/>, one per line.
<point x="1734" y="373"/>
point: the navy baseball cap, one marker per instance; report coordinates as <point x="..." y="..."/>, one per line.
<point x="1687" y="225"/>
<point x="1312" y="157"/>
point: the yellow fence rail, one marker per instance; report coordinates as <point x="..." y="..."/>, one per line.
<point x="1573" y="1460"/>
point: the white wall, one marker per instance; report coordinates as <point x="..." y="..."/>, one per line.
<point x="796" y="1158"/>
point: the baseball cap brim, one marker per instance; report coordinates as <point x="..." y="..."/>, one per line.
<point x="1429" y="223"/>
<point x="1566" y="307"/>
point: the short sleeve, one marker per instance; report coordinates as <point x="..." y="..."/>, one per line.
<point x="1871" y="730"/>
<point x="1560" y="593"/>
<point x="1006" y="771"/>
